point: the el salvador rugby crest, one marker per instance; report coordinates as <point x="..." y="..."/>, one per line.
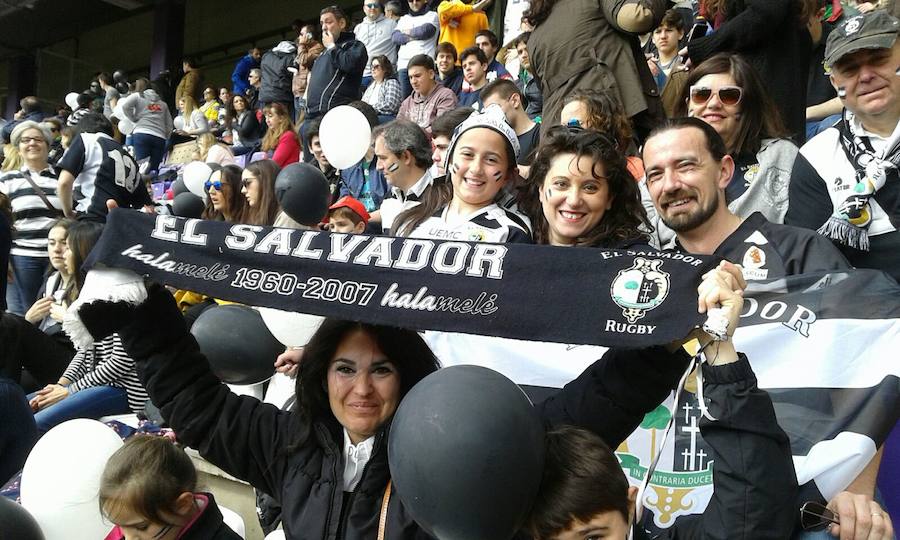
<point x="640" y="288"/>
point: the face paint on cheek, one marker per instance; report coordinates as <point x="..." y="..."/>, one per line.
<point x="498" y="175"/>
<point x="549" y="193"/>
<point x="454" y="168"/>
<point x="393" y="167"/>
<point x="897" y="72"/>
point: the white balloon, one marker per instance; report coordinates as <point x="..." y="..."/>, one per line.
<point x="61" y="479"/>
<point x="126" y="126"/>
<point x="119" y="110"/>
<point x="178" y="122"/>
<point x="72" y="100"/>
<point x="291" y="329"/>
<point x="196" y="173"/>
<point x="345" y="136"/>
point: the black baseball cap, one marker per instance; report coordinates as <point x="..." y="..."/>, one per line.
<point x="874" y="30"/>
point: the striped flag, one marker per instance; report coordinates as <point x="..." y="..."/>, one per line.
<point x="824" y="345"/>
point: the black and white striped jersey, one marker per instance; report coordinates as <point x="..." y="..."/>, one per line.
<point x="489" y="224"/>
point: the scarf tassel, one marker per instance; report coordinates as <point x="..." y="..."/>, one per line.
<point x="838" y="229"/>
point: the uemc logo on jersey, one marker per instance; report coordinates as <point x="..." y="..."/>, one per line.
<point x="638" y="289"/>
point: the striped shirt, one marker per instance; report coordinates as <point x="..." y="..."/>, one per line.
<point x="489" y="224"/>
<point x="33" y="220"/>
<point x="107" y="364"/>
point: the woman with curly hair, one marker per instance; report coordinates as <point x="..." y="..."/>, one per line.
<point x="581" y="194"/>
<point x="602" y="111"/>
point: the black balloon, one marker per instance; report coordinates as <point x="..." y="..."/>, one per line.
<point x="466" y="452"/>
<point x="187" y="205"/>
<point x="302" y="191"/>
<point x="16" y="522"/>
<point x="179" y="187"/>
<point x="237" y="343"/>
<point x="214" y="166"/>
<point x="119" y="76"/>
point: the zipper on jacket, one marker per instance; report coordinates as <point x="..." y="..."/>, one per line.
<point x="338" y="477"/>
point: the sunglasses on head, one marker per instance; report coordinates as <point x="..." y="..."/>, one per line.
<point x="217" y="184"/>
<point x="815" y="516"/>
<point x="376" y="66"/>
<point x="728" y="95"/>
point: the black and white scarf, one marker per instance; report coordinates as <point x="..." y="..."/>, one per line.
<point x="849" y="223"/>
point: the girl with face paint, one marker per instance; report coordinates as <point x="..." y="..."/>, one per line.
<point x="481" y="162"/>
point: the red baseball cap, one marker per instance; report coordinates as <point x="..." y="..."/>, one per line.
<point x="349" y="202"/>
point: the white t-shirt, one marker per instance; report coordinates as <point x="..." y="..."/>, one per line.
<point x="417" y="46"/>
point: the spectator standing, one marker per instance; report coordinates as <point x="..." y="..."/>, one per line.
<point x="277" y="73"/>
<point x="416" y="33"/>
<point x="239" y="83"/>
<point x="32" y="192"/>
<point x="489" y="44"/>
<point x="393" y="10"/>
<point x="429" y="98"/>
<point x="252" y="92"/>
<point x="461" y="21"/>
<point x="383" y="94"/>
<point x="308" y="49"/>
<point x="823" y="106"/>
<point x="337" y="74"/>
<point x="191" y="82"/>
<point x="583" y="45"/>
<point x="846" y="183"/>
<point x="474" y="66"/>
<point x="110" y="94"/>
<point x="152" y="122"/>
<point x="84" y="107"/>
<point x="773" y="38"/>
<point x="528" y="84"/>
<point x="448" y="73"/>
<point x="97" y="168"/>
<point x="375" y="32"/>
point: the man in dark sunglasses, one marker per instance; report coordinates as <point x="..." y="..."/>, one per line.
<point x="375" y="33"/>
<point x="687" y="170"/>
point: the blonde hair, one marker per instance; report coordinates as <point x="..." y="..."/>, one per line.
<point x="205" y="141"/>
<point x="12" y="159"/>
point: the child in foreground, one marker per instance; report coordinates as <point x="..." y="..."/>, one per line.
<point x="347" y="215"/>
<point x="149" y="491"/>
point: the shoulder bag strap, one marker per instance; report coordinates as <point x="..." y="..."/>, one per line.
<point x="382" y="521"/>
<point x="40" y="192"/>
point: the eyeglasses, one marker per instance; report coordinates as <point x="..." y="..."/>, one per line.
<point x="373" y="5"/>
<point x="29" y="140"/>
<point x="217" y="184"/>
<point x="728" y="95"/>
<point x="376" y="66"/>
<point x="815" y="516"/>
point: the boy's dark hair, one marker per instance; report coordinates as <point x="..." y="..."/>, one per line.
<point x="492" y="37"/>
<point x="714" y="143"/>
<point x="346" y="213"/>
<point x="446" y="123"/>
<point x="582" y="478"/>
<point x="672" y="19"/>
<point x="311" y="129"/>
<point x="422" y="61"/>
<point x="94" y="122"/>
<point x="190" y="60"/>
<point x="501" y="87"/>
<point x="473" y="50"/>
<point x="84" y="100"/>
<point x="368" y="111"/>
<point x="447" y="48"/>
<point x="522" y="38"/>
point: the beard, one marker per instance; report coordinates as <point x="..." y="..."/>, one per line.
<point x="691" y="220"/>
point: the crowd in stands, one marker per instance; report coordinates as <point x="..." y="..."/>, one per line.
<point x="696" y="126"/>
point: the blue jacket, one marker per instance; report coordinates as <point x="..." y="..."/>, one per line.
<point x="239" y="81"/>
<point x="353" y="179"/>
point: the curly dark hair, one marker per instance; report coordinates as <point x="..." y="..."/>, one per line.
<point x="404" y="348"/>
<point x="605" y="114"/>
<point x="621" y="223"/>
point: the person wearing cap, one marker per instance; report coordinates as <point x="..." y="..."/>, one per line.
<point x="347" y="216"/>
<point x="845" y="183"/>
<point x="481" y="161"/>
